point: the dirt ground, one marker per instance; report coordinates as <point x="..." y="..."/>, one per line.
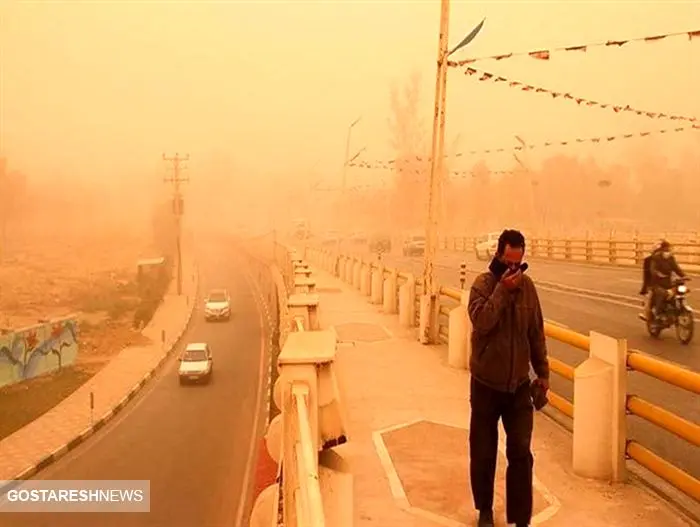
<point x="91" y="276"/>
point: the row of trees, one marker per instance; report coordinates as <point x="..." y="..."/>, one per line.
<point x="566" y="194"/>
<point x="572" y="195"/>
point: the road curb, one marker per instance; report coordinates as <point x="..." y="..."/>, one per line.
<point x="115" y="410"/>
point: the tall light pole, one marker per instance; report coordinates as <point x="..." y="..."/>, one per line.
<point x="343" y="188"/>
<point x="429" y="300"/>
<point x="346" y="161"/>
<point x="428" y="306"/>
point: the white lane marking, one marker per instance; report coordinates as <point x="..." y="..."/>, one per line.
<point x="630" y="280"/>
<point x="245" y="490"/>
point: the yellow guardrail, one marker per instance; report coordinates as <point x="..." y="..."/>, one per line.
<point x="609" y="251"/>
<point x="636" y="361"/>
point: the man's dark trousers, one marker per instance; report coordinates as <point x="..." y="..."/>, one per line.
<point x="487" y="407"/>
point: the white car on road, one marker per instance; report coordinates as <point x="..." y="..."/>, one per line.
<point x="217" y="306"/>
<point x="196" y="363"/>
<point x="486" y="245"/>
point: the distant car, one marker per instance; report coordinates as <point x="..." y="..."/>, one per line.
<point x="414" y="245"/>
<point x="217" y="306"/>
<point x="487" y="245"/>
<point x="196" y="363"/>
<point x="380" y="243"/>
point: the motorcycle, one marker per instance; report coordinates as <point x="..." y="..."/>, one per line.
<point x="676" y="313"/>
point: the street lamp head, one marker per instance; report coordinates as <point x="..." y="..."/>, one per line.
<point x="356" y="121"/>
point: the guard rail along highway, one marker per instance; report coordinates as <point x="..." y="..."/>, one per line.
<point x="610" y="251"/>
<point x="600" y="443"/>
<point x="311" y="488"/>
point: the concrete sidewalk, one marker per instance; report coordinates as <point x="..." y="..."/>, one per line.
<point x="408" y="418"/>
<point x="70" y="422"/>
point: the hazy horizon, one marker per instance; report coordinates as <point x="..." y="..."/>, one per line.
<point x="261" y="94"/>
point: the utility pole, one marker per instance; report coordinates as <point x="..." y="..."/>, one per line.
<point x="429" y="300"/>
<point x="178" y="203"/>
<point x="430" y="294"/>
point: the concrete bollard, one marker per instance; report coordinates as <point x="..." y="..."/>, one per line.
<point x="407" y="303"/>
<point x="377" y="286"/>
<point x="349" y="270"/>
<point x="600" y="392"/>
<point x="337" y="270"/>
<point x="459" y="344"/>
<point x="365" y="279"/>
<point x="389" y="305"/>
<point x="305" y="305"/>
<point x="356" y="273"/>
<point x="341" y="267"/>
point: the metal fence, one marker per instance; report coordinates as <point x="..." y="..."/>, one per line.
<point x="630" y="252"/>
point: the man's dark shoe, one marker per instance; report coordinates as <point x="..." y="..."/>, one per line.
<point x="485" y="519"/>
<point x="522" y="525"/>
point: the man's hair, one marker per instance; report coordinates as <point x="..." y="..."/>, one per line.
<point x="510" y="237"/>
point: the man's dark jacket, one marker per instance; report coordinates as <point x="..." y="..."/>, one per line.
<point x="661" y="270"/>
<point x="508" y="333"/>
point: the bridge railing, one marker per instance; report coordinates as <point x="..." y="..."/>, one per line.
<point x="600" y="381"/>
<point x="311" y="420"/>
<point x="622" y="252"/>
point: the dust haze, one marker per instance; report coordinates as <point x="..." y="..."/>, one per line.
<point x="262" y="95"/>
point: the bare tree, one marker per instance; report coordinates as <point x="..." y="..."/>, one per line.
<point x="409" y="140"/>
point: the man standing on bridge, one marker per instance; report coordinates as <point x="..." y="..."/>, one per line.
<point x="507" y="337"/>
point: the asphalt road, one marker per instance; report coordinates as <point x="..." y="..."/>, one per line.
<point x="193" y="443"/>
<point x="617" y="280"/>
<point x="617" y="319"/>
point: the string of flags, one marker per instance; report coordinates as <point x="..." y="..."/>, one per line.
<point x="391" y="165"/>
<point x="567" y="142"/>
<point x="485" y="76"/>
<point x="545" y="54"/>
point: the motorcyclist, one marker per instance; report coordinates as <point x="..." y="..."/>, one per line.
<point x="662" y="266"/>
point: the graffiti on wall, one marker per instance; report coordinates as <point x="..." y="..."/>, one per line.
<point x="39" y="349"/>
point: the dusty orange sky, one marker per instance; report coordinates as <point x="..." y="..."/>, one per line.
<point x="98" y="90"/>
